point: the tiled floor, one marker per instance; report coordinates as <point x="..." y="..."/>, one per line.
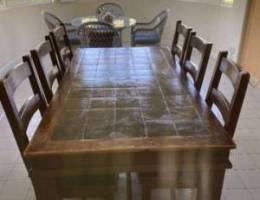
<point x="241" y="183"/>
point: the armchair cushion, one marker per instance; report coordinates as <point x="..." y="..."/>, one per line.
<point x="73" y="38"/>
<point x="142" y="37"/>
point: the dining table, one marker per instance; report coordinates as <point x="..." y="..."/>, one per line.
<point x="129" y="110"/>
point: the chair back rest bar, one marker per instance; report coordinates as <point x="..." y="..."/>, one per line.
<point x="230" y="111"/>
<point x="51" y="20"/>
<point x="20" y="119"/>
<point x="47" y="74"/>
<point x="159" y="21"/>
<point x="185" y="32"/>
<point x="197" y="72"/>
<point x="62" y="46"/>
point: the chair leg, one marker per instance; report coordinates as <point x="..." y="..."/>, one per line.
<point x="129" y="185"/>
<point x="146" y="192"/>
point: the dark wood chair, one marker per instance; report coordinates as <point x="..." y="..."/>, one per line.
<point x="230" y="111"/>
<point x="179" y="50"/>
<point x="44" y="56"/>
<point x="62" y="47"/>
<point x="189" y="67"/>
<point x="19" y="119"/>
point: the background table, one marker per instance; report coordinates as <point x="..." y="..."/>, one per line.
<point x="125" y="110"/>
<point x="119" y="22"/>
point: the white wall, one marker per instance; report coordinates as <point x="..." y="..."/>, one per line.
<point x="22" y="28"/>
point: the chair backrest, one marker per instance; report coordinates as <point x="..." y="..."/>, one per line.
<point x="113" y="8"/>
<point x="46" y="65"/>
<point x="197" y="72"/>
<point x="62" y="47"/>
<point x="159" y="21"/>
<point x="230" y="110"/>
<point x="51" y="20"/>
<point x="98" y="34"/>
<point x="180" y="50"/>
<point x="19" y="119"/>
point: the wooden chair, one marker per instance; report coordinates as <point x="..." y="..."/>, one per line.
<point x="230" y="111"/>
<point x="47" y="74"/>
<point x="180" y="50"/>
<point x="19" y="119"/>
<point x="62" y="47"/>
<point x="197" y="72"/>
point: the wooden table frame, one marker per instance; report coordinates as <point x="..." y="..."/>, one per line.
<point x="205" y="156"/>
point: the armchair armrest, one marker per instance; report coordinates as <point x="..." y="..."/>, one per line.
<point x="69" y="27"/>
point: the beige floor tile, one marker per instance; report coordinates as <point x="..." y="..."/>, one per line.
<point x="255" y="194"/>
<point x="5" y="171"/>
<point x="8" y="157"/>
<point x="237" y="195"/>
<point x="233" y="180"/>
<point x="18" y="172"/>
<point x="15" y="189"/>
<point x="251" y="178"/>
<point x="243" y="162"/>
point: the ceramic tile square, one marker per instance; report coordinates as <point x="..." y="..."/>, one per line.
<point x="8" y="157"/>
<point x="5" y="171"/>
<point x="255" y="194"/>
<point x="127" y="103"/>
<point x="251" y="178"/>
<point x="129" y="130"/>
<point x="233" y="180"/>
<point x="102" y="103"/>
<point x="160" y="128"/>
<point x="68" y="132"/>
<point x="237" y="194"/>
<point x="19" y="172"/>
<point x="243" y="162"/>
<point x="20" y="187"/>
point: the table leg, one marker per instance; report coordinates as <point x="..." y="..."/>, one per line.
<point x="45" y="188"/>
<point x="210" y="185"/>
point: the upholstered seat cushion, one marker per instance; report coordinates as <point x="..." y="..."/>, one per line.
<point x="141" y="37"/>
<point x="73" y="38"/>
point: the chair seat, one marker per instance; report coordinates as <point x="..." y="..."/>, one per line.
<point x="73" y="38"/>
<point x="146" y="38"/>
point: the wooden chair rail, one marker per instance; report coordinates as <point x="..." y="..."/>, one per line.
<point x="180" y="50"/>
<point x="239" y="79"/>
<point x="204" y="48"/>
<point x="46" y="77"/>
<point x="19" y="120"/>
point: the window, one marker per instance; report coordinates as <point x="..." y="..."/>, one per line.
<point x="9" y="3"/>
<point x="226" y="3"/>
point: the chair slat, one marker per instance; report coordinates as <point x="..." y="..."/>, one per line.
<point x="28" y="109"/>
<point x="229" y="68"/>
<point x="204" y="49"/>
<point x="62" y="47"/>
<point x="44" y="48"/>
<point x="17" y="75"/>
<point x="46" y="76"/>
<point x="180" y="50"/>
<point x="221" y="102"/>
